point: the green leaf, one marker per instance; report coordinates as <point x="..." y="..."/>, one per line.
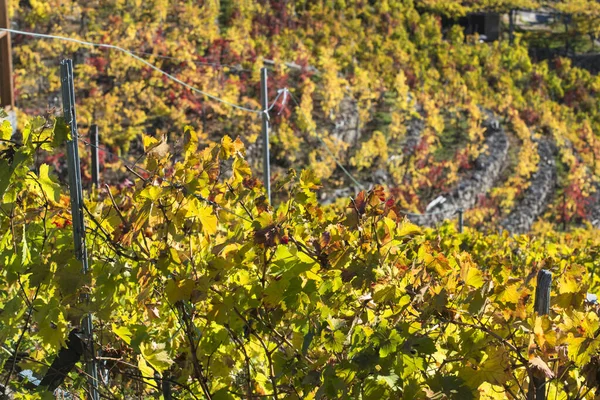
<point x="69" y="276"/>
<point x="179" y="290"/>
<point x="307" y="341"/>
<point x="7" y="169"/>
<point x="275" y="291"/>
<point x="50" y="188"/>
<point x="62" y="132"/>
<point x="6" y="130"/>
<point x="122" y="332"/>
<point x="156" y="356"/>
<point x="389" y="380"/>
<point x="387" y="293"/>
<point x="5" y="173"/>
<point x="222" y="394"/>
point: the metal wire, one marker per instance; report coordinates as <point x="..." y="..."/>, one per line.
<point x="285" y="92"/>
<point x="131" y="54"/>
<point x="453" y="212"/>
<point x="208" y="64"/>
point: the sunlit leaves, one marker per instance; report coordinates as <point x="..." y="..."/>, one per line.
<point x="122" y="332"/>
<point x="180" y="290"/>
<point x="156" y="356"/>
<point x="50" y="187"/>
<point x="204" y="214"/>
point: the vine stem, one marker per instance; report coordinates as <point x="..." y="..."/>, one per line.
<point x="25" y="328"/>
<point x="195" y="362"/>
<point x="267" y="353"/>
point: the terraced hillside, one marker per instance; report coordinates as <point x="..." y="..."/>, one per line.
<point x="177" y="277"/>
<point x="383" y="89"/>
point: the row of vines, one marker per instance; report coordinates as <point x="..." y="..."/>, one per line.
<point x="196" y="281"/>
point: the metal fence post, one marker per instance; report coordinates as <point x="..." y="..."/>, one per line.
<point x="94" y="139"/>
<point x="460" y="220"/>
<point x="264" y="101"/>
<point x="76" y="192"/>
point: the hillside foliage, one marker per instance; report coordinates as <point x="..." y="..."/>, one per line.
<point x="372" y="70"/>
<point x="197" y="282"/>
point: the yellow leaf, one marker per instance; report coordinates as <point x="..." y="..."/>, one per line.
<point x="145" y="368"/>
<point x="51" y="189"/>
<point x="205" y="214"/>
<point x="156" y="356"/>
<point x="469" y="272"/>
<point x="179" y="290"/>
<point x="509" y="294"/>
<point x="151" y="192"/>
<point x="123" y="332"/>
<point x="241" y="169"/>
<point x="5" y="130"/>
<point x="538" y="330"/>
<point x="495" y="369"/>
<point x="568" y="284"/>
<point x="408" y="228"/>
<point x="313" y="276"/>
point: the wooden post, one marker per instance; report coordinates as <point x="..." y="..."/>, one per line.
<point x="460" y="220"/>
<point x="542" y="292"/>
<point x="7" y="98"/>
<point x="511" y="26"/>
<point x="264" y="101"/>
<point x="541" y="306"/>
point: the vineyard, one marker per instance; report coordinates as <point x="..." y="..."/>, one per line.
<point x="172" y="276"/>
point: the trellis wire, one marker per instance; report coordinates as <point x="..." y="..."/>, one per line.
<point x="264" y="111"/>
<point x="264" y="102"/>
<point x="131" y="54"/>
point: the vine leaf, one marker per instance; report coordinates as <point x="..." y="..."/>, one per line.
<point x="122" y="332"/>
<point x="156" y="356"/>
<point x="179" y="290"/>
<point x="50" y="188"/>
<point x="5" y="130"/>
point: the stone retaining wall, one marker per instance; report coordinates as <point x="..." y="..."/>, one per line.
<point x="488" y="167"/>
<point x="594" y="213"/>
<point x="538" y="195"/>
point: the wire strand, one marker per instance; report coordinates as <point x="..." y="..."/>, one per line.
<point x="131" y="54"/>
<point x="441" y="212"/>
<point x="337" y="161"/>
<point x="285" y="92"/>
<point x="235" y="68"/>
